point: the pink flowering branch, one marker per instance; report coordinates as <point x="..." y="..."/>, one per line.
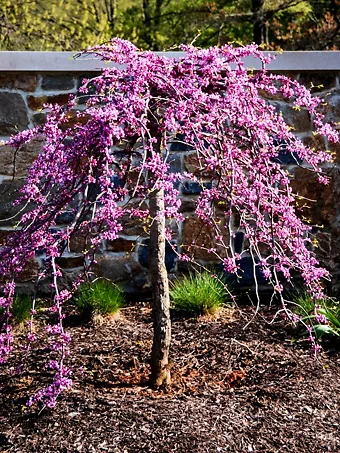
<point x="134" y="111"/>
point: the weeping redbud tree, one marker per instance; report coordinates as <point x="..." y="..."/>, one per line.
<point x="134" y="111"/>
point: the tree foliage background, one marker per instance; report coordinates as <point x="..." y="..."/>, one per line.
<point x="161" y="24"/>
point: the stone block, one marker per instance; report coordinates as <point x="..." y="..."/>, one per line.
<point x="82" y="98"/>
<point x="195" y="188"/>
<point x="9" y="192"/>
<point x="78" y="243"/>
<point x="117" y="181"/>
<point x="271" y="97"/>
<point x="333" y="248"/>
<point x="134" y="177"/>
<point x="327" y="252"/>
<point x="37" y="102"/>
<point x="335" y="149"/>
<point x="317" y="81"/>
<point x="172" y="226"/>
<point x="116" y="268"/>
<point x="13" y="113"/>
<point x="39" y="119"/>
<point x="315" y="142"/>
<point x="30" y="271"/>
<point x="137" y="285"/>
<point x="74" y="120"/>
<point x="323" y="247"/>
<point x="319" y="205"/>
<point x="17" y="162"/>
<point x="238" y="241"/>
<point x="70" y="262"/>
<point x="294" y="75"/>
<point x="170" y="255"/>
<point x="57" y="82"/>
<point x="94" y="190"/>
<point x="285" y="157"/>
<point x="187" y="205"/>
<point x="7" y="158"/>
<point x="178" y="145"/>
<point x="298" y="119"/>
<point x="278" y="96"/>
<point x="192" y="164"/>
<point x="65" y="281"/>
<point x="175" y="163"/>
<point x="120" y="245"/>
<point x="332" y="109"/>
<point x="245" y="276"/>
<point x="19" y="81"/>
<point x="65" y="217"/>
<point x="134" y="226"/>
<point x="87" y="76"/>
<point x="198" y="238"/>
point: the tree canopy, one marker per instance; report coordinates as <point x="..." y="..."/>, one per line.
<point x="161" y="24"/>
<point x="134" y="111"/>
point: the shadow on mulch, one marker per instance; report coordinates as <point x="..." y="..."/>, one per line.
<point x="76" y="320"/>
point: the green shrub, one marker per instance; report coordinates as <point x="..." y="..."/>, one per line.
<point x="101" y="297"/>
<point x="21" y="308"/>
<point x="326" y="310"/>
<point x="198" y="294"/>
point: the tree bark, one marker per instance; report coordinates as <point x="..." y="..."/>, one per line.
<point x="258" y="25"/>
<point x="111" y="14"/>
<point x="160" y="373"/>
<point x="147" y="33"/>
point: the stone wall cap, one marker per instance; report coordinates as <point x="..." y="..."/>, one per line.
<point x="40" y="61"/>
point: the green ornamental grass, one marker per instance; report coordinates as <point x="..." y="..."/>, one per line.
<point x="21" y="308"/>
<point x="324" y="316"/>
<point x="101" y="297"/>
<point x="198" y="294"/>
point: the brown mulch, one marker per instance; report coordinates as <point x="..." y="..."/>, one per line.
<point x="234" y="390"/>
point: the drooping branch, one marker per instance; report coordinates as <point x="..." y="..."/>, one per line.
<point x="135" y="110"/>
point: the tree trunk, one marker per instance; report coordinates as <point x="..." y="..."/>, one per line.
<point x="160" y="373"/>
<point x="258" y="25"/>
<point x="147" y="32"/>
<point x="111" y="13"/>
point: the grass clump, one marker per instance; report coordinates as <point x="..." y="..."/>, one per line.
<point x="99" y="297"/>
<point x="198" y="294"/>
<point x="323" y="316"/>
<point x="21" y="308"/>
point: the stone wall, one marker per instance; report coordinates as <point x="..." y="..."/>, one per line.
<point x="22" y="96"/>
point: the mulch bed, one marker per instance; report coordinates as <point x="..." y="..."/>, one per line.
<point x="234" y="390"/>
